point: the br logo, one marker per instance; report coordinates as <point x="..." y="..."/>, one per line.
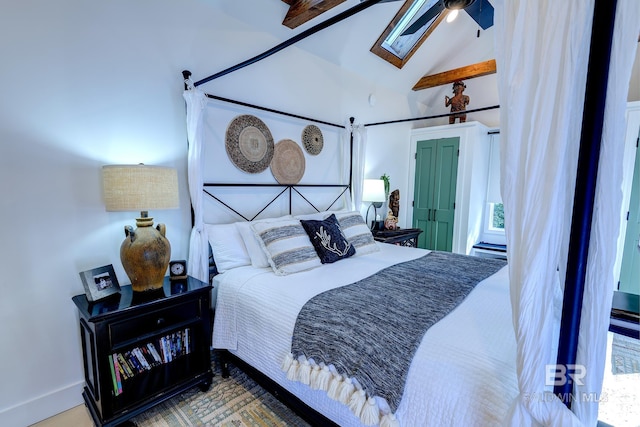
<point x="558" y="375"/>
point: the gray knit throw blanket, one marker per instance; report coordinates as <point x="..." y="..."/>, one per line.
<point x="370" y="330"/>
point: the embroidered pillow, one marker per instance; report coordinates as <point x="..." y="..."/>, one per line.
<point x="287" y="246"/>
<point x="328" y="240"/>
<point x="357" y="232"/>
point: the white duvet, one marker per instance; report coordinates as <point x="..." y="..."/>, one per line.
<point x="462" y="374"/>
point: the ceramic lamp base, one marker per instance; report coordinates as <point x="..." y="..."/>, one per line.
<point x="145" y="255"/>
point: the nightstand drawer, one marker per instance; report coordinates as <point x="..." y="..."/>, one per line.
<point x="153" y="321"/>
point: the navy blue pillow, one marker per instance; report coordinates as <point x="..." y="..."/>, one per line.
<point x="328" y="240"/>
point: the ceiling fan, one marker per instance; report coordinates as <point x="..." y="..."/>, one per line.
<point x="480" y="10"/>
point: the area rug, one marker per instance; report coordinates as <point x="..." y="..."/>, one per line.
<point x="625" y="355"/>
<point x="236" y="401"/>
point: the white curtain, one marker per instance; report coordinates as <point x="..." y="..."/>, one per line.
<point x="359" y="151"/>
<point x="198" y="262"/>
<point x="600" y="281"/>
<point x="542" y="50"/>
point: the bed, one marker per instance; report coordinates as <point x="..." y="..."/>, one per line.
<point x="463" y="369"/>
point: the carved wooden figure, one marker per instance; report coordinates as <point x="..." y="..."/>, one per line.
<point x="391" y="222"/>
<point x="459" y="102"/>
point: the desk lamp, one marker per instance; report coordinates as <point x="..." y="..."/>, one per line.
<point x="373" y="191"/>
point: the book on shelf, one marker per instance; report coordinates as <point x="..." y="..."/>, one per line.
<point x="145" y="357"/>
<point x="125" y="365"/>
<point x="154" y="353"/>
<point x="116" y="362"/>
<point x="115" y="376"/>
<point x="133" y="362"/>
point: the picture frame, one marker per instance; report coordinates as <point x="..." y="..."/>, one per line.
<point x="100" y="283"/>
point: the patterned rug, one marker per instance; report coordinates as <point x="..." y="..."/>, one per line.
<point x="236" y="401"/>
<point x="625" y="355"/>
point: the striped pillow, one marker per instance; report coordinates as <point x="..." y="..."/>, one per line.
<point x="287" y="246"/>
<point x="357" y="232"/>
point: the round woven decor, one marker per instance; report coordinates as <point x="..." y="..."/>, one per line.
<point x="249" y="143"/>
<point x="288" y="162"/>
<point x="312" y="139"/>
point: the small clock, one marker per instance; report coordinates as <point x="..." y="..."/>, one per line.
<point x="178" y="270"/>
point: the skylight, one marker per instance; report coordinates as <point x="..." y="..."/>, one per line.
<point x="397" y="48"/>
<point x="400" y="45"/>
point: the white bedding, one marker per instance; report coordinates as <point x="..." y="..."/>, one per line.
<point x="463" y="373"/>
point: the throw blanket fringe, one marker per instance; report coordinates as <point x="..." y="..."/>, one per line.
<point x="347" y="390"/>
<point x="370" y="415"/>
<point x="389" y="420"/>
<point x="339" y="387"/>
<point x="357" y="401"/>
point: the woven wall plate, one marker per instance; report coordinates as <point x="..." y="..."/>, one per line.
<point x="249" y="143"/>
<point x="288" y="162"/>
<point x="312" y="139"/>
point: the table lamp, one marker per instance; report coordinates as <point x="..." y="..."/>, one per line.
<point x="373" y="191"/>
<point x="145" y="251"/>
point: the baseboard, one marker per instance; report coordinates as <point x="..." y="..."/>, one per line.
<point x="43" y="407"/>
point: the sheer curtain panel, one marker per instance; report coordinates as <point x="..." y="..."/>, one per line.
<point x="198" y="265"/>
<point x="542" y="51"/>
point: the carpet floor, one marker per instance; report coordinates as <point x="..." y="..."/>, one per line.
<point x="236" y="401"/>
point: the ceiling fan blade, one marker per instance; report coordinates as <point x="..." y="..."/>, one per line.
<point x="482" y="12"/>
<point x="425" y="18"/>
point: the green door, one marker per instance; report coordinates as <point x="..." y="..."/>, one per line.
<point x="630" y="267"/>
<point x="423" y="191"/>
<point x="435" y="192"/>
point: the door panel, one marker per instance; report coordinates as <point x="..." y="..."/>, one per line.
<point x="447" y="174"/>
<point x="630" y="267"/>
<point x="423" y="189"/>
<point x="435" y="192"/>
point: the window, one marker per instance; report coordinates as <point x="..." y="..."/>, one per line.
<point x="496" y="217"/>
<point x="493" y="224"/>
<point x="396" y="48"/>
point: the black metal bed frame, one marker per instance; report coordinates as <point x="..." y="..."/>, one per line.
<point x="589" y="153"/>
<point x="286" y="189"/>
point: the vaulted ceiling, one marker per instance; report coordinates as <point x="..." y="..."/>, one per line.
<point x="303" y="11"/>
<point x="452" y="51"/>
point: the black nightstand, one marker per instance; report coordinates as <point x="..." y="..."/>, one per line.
<point x="164" y="339"/>
<point x="401" y="237"/>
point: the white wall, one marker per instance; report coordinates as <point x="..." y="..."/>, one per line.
<point x="87" y="83"/>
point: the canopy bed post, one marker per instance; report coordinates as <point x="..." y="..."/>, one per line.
<point x="585" y="189"/>
<point x="351" y="120"/>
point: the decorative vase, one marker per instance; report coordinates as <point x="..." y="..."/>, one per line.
<point x="145" y="255"/>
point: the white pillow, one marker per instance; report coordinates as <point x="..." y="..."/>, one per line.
<point x="316" y="216"/>
<point x="252" y="243"/>
<point x="319" y="216"/>
<point x="228" y="248"/>
<point x="357" y="232"/>
<point x="287" y="246"/>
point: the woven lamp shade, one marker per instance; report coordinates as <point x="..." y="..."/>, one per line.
<point x="139" y="187"/>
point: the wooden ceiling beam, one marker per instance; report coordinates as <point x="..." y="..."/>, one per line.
<point x="463" y="73"/>
<point x="301" y="11"/>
